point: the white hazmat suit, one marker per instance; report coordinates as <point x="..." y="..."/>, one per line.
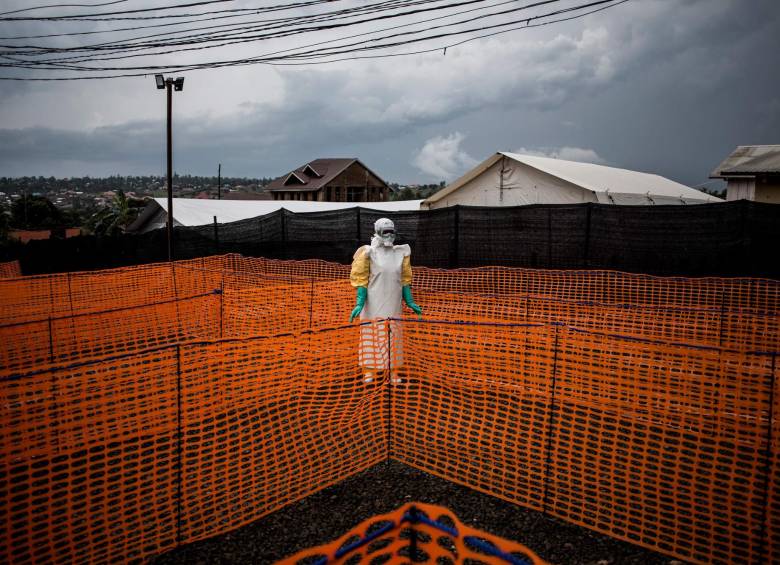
<point x="384" y="271"/>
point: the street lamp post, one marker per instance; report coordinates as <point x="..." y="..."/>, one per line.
<point x="178" y="85"/>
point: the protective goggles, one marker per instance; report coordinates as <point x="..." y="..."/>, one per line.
<point x="387" y="231"/>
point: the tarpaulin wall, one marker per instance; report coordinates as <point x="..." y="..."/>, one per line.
<point x="727" y="239"/>
<point x="116" y="452"/>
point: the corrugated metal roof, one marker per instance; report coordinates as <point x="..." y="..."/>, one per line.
<point x="196" y="212"/>
<point x="749" y="160"/>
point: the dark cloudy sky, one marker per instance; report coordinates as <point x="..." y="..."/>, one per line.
<point x="663" y="86"/>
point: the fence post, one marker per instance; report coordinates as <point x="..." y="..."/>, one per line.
<point x="389" y="391"/>
<point x="216" y="236"/>
<point x="722" y="314"/>
<point x="51" y="342"/>
<point x="551" y="422"/>
<point x="766" y="518"/>
<point x="179" y="447"/>
<point x="311" y="301"/>
<point x="746" y="244"/>
<point x="70" y="294"/>
<point x="586" y="254"/>
<point x="455" y="249"/>
<point x="222" y="306"/>
<point x="283" y="219"/>
<point x="51" y="296"/>
<point x="357" y="227"/>
<point x="549" y="237"/>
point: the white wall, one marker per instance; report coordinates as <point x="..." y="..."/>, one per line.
<point x="522" y="185"/>
<point x="741" y="189"/>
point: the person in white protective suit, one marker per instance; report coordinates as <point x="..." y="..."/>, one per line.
<point x="382" y="274"/>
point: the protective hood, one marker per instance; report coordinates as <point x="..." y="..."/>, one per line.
<point x="384" y="233"/>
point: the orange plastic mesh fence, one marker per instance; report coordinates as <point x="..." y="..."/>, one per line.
<point x="732" y="313"/>
<point x="665" y="446"/>
<point x="269" y="421"/>
<point x="675" y="428"/>
<point x="85" y="337"/>
<point x="240" y="306"/>
<point x="116" y="459"/>
<point x="419" y="533"/>
<point x="89" y="461"/>
<point x="10" y="269"/>
<point x="139" y="422"/>
<point x="662" y="445"/>
<point x="738" y="329"/>
<point x="39" y="297"/>
<point x="606" y="287"/>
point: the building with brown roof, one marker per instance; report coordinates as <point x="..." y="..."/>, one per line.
<point x="331" y="180"/>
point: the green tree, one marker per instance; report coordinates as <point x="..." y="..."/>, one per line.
<point x="113" y="219"/>
<point x="406" y="193"/>
<point x="72" y="218"/>
<point x="34" y="212"/>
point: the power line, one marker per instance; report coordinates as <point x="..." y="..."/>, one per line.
<point x="102" y="18"/>
<point x="136" y="11"/>
<point x="450" y="45"/>
<point x="62" y="6"/>
<point x="271" y="34"/>
<point x="207" y="16"/>
<point x="384" y="4"/>
<point x="315" y="53"/>
<point x="311" y="55"/>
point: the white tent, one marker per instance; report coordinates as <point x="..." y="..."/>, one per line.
<point x="511" y="179"/>
<point x="198" y="212"/>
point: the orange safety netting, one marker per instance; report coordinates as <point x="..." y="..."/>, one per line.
<point x="10" y="269"/>
<point x="147" y="407"/>
<point x="419" y="533"/>
<point x="59" y="317"/>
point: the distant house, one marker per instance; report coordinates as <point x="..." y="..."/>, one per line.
<point x="330" y="180"/>
<point x="511" y="179"/>
<point x="752" y="172"/>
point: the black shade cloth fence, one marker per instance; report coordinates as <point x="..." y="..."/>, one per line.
<point x="739" y="238"/>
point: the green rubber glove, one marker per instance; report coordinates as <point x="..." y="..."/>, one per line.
<point x="406" y="292"/>
<point x="362" y="293"/>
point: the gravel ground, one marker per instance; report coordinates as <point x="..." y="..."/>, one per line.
<point x="332" y="512"/>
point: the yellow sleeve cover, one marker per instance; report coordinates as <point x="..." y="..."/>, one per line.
<point x="361" y="268"/>
<point x="406" y="272"/>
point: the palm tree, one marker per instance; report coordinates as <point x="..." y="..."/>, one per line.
<point x="113" y="219"/>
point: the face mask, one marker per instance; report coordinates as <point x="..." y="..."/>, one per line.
<point x="387" y="236"/>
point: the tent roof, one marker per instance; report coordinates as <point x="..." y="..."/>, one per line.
<point x="596" y="178"/>
<point x="198" y="212"/>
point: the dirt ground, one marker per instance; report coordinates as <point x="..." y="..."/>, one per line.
<point x="332" y="512"/>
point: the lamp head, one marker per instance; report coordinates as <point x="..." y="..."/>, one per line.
<point x="160" y="81"/>
<point x="178" y="84"/>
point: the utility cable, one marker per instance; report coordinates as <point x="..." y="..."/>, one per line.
<point x="61" y="6"/>
<point x="309" y="55"/>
